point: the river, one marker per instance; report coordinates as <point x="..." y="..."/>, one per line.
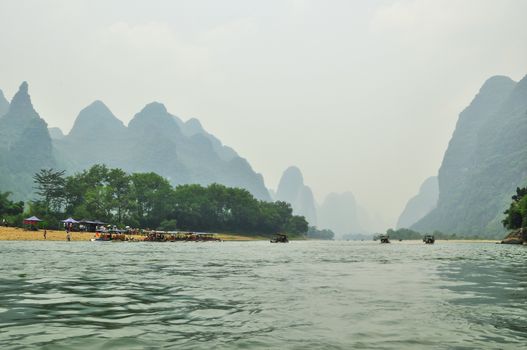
<point x="257" y="295"/>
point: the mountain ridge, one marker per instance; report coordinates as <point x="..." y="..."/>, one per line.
<point x="421" y="204"/>
<point x="154" y="140"/>
<point x="485" y="161"/>
<point x="25" y="145"/>
<point x="291" y="189"/>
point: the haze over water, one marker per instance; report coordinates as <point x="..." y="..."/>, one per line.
<point x="253" y="295"/>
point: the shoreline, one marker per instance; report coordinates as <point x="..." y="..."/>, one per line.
<point x="19" y="234"/>
<point x="419" y="241"/>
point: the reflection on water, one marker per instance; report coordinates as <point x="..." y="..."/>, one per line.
<point x="331" y="295"/>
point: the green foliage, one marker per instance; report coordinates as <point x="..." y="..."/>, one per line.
<point x="50" y="186"/>
<point x="297" y="225"/>
<point x="407" y="234"/>
<point x="315" y="233"/>
<point x="403" y="233"/>
<point x="148" y="200"/>
<point x="9" y="210"/>
<point x="516" y="215"/>
<point x="168" y="225"/>
<point x="8" y="207"/>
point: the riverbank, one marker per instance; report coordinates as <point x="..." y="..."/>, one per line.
<point x="516" y="237"/>
<point x="18" y="234"/>
<point x="442" y="241"/>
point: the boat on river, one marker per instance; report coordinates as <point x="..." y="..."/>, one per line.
<point x="384" y="238"/>
<point x="110" y="236"/>
<point x="429" y="239"/>
<point x="176" y="236"/>
<point x="280" y="238"/>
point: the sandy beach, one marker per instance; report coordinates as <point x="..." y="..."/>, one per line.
<point x="18" y="234"/>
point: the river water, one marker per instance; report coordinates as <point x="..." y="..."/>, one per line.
<point x="257" y="295"/>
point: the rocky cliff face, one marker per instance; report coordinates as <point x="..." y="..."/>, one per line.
<point x="292" y="189"/>
<point x="485" y="161"/>
<point x="157" y="141"/>
<point x="421" y="204"/>
<point x="25" y="145"/>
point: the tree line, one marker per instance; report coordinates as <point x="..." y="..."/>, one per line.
<point x="408" y="234"/>
<point x="515" y="218"/>
<point x="516" y="214"/>
<point x="9" y="210"/>
<point x="324" y="234"/>
<point x="147" y="200"/>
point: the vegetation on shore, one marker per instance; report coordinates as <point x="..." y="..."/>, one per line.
<point x="148" y="200"/>
<point x="516" y="215"/>
<point x="314" y="233"/>
<point x="9" y="210"/>
<point x="408" y="234"/>
<point x="516" y="218"/>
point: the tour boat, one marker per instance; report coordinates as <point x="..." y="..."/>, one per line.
<point x="280" y="238"/>
<point x="429" y="239"/>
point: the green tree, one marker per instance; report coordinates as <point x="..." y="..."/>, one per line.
<point x="8" y="207"/>
<point x="314" y="233"/>
<point x="297" y="225"/>
<point x="50" y="185"/>
<point x="119" y="193"/>
<point x="516" y="215"/>
<point x="152" y="199"/>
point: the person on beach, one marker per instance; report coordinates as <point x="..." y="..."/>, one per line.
<point x="45" y="234"/>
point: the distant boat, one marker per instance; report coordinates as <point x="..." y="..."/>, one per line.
<point x="280" y="238"/>
<point x="429" y="239"/>
<point x="384" y="238"/>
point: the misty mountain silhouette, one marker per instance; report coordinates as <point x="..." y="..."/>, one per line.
<point x="292" y="189"/>
<point x="485" y="161"/>
<point x="421" y="204"/>
<point x="25" y="145"/>
<point x="154" y="141"/>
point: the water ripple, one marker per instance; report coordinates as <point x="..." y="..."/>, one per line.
<point x="331" y="295"/>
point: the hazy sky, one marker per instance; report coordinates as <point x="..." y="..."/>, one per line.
<point x="361" y="95"/>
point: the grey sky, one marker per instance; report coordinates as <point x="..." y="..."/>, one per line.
<point x="361" y="95"/>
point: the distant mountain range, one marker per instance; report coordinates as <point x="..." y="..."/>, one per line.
<point x="154" y="140"/>
<point x="485" y="161"/>
<point x="339" y="212"/>
<point x="292" y="189"/>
